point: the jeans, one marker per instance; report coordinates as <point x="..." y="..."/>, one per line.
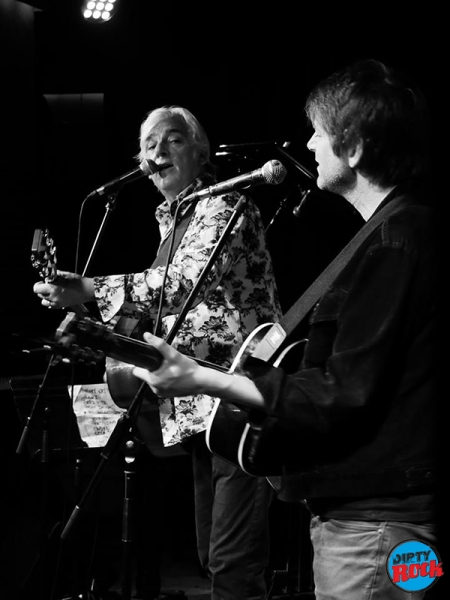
<point x="232" y="525"/>
<point x="350" y="558"/>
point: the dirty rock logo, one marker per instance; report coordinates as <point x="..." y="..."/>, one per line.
<point x="414" y="566"/>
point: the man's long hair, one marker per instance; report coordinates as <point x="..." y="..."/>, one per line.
<point x="370" y="105"/>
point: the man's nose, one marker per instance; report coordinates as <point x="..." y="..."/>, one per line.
<point x="310" y="144"/>
<point x="161" y="148"/>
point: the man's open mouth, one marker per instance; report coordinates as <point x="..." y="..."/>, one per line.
<point x="162" y="168"/>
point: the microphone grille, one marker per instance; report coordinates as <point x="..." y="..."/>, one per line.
<point x="148" y="167"/>
<point x="274" y="172"/>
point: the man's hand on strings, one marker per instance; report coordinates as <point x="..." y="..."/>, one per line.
<point x="178" y="374"/>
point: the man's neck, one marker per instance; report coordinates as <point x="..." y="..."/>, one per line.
<point x="170" y="197"/>
<point x="367" y="197"/>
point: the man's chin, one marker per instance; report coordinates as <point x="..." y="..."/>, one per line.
<point x="167" y="188"/>
<point x="321" y="184"/>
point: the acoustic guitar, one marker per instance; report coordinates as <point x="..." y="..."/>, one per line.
<point x="245" y="437"/>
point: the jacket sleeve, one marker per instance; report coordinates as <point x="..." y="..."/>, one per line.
<point x="354" y="347"/>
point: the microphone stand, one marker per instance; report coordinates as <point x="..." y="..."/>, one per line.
<point x="110" y="205"/>
<point x="33" y="414"/>
<point x="298" y="165"/>
<point x="45" y="448"/>
<point x="238" y="209"/>
<point x="123" y="426"/>
<point x="128" y="418"/>
<point x="44" y="474"/>
<point x="284" y="203"/>
<point x="304" y="191"/>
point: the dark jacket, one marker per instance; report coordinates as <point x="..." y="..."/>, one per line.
<point x="359" y="418"/>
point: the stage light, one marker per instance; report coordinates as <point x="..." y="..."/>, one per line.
<point x="99" y="11"/>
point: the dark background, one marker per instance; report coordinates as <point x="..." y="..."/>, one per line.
<point x="73" y="95"/>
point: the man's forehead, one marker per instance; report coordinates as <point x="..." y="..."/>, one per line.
<point x="167" y="125"/>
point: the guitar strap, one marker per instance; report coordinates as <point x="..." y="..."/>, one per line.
<point x="134" y="327"/>
<point x="275" y="337"/>
<point x="177" y="235"/>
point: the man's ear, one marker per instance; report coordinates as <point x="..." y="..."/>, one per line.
<point x="354" y="156"/>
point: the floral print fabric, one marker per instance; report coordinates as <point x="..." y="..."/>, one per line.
<point x="238" y="294"/>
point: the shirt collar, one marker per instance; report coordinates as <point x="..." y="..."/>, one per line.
<point x="200" y="182"/>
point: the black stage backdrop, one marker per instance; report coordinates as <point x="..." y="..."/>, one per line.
<point x="74" y="94"/>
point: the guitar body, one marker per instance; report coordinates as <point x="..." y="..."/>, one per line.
<point x="123" y="387"/>
<point x="122" y="384"/>
<point x="252" y="447"/>
<point x="250" y="439"/>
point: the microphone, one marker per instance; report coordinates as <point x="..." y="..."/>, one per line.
<point x="273" y="173"/>
<point x="146" y="168"/>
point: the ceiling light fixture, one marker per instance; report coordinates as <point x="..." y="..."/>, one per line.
<point x="99" y="11"/>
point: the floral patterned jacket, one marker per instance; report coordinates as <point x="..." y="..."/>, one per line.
<point x="238" y="294"/>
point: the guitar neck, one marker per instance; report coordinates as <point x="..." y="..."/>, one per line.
<point x="87" y="339"/>
<point x="141" y="354"/>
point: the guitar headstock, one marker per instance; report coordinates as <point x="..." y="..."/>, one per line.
<point x="43" y="255"/>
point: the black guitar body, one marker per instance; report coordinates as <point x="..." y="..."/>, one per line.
<point x="250" y="446"/>
<point x="248" y="438"/>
